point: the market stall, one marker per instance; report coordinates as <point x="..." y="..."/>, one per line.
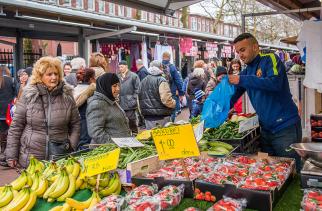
<point x="161" y="169"/>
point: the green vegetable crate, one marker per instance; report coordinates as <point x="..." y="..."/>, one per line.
<point x="249" y="143"/>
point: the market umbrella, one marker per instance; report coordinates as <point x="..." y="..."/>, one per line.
<point x="290" y="40"/>
<point x="59" y="51"/>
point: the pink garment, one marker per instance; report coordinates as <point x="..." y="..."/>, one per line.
<point x="239" y="106"/>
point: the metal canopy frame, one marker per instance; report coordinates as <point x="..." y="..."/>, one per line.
<point x="243" y="16"/>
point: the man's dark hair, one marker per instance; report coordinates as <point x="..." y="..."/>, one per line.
<point x="245" y="36"/>
<point x="89" y="73"/>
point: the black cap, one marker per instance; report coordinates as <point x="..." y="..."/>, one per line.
<point x="123" y="62"/>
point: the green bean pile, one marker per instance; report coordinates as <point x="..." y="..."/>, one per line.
<point x="228" y="130"/>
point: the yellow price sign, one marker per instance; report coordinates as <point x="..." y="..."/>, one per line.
<point x="175" y="142"/>
<point x="101" y="163"/>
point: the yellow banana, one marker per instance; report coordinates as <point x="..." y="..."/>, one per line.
<point x="66" y="207"/>
<point x="20" y="201"/>
<point x="57" y="208"/>
<point x="39" y="166"/>
<point x="119" y="188"/>
<point x="29" y="179"/>
<point x="112" y="188"/>
<point x="35" y="182"/>
<point x="76" y="169"/>
<point x="21" y="181"/>
<point x="104" y="181"/>
<point x="61" y="187"/>
<point x="50" y="200"/>
<point x="42" y="187"/>
<point x="51" y="188"/>
<point x="81" y="205"/>
<point x="6" y="197"/>
<point x="93" y="203"/>
<point x="32" y="165"/>
<point x="53" y="178"/>
<point x="15" y="192"/>
<point x="50" y="169"/>
<point x="79" y="183"/>
<point x="31" y="202"/>
<point x="71" y="189"/>
<point x="91" y="181"/>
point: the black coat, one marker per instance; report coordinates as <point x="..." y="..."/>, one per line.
<point x="7" y="94"/>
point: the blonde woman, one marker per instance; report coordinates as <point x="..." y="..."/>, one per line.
<point x="98" y="62"/>
<point x="46" y="98"/>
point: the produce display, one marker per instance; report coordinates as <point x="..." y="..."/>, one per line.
<point x="228" y="130"/>
<point x="110" y="203"/>
<point x="174" y="170"/>
<point x="207" y="196"/>
<point x="147" y="203"/>
<point x="229" y="204"/>
<point x="170" y="196"/>
<point x="216" y="148"/>
<point x="316" y="123"/>
<point x="312" y="200"/>
<point x="139" y="192"/>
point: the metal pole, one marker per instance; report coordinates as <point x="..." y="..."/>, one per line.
<point x="243" y="18"/>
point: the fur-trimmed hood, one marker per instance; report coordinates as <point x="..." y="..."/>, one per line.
<point x="32" y="92"/>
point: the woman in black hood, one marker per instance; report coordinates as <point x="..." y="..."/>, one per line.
<point x="105" y="117"/>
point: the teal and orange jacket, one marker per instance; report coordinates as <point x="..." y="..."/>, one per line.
<point x="266" y="84"/>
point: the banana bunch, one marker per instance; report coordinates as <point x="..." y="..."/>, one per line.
<point x="82" y="205"/>
<point x="51" y="169"/>
<point x="59" y="187"/>
<point x="24" y="179"/>
<point x="6" y="195"/>
<point x="114" y="186"/>
<point x="23" y="201"/>
<point x="34" y="165"/>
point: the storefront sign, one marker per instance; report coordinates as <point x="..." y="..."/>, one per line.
<point x="127" y="142"/>
<point x="175" y="142"/>
<point x="226" y="51"/>
<point x="101" y="163"/>
<point x="198" y="130"/>
<point x="248" y="124"/>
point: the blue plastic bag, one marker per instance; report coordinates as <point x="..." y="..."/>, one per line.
<point x="217" y="105"/>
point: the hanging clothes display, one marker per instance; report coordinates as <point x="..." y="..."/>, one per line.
<point x="310" y="37"/>
<point x="160" y="49"/>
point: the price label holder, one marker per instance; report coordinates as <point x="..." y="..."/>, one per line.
<point x="248" y="124"/>
<point x="127" y="142"/>
<point x="101" y="163"/>
<point x="175" y="142"/>
<point x="198" y="130"/>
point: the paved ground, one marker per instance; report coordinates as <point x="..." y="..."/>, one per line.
<point x="7" y="175"/>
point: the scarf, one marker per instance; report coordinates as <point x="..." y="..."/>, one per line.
<point x="104" y="84"/>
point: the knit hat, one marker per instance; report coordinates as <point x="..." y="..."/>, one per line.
<point x="221" y="71"/>
<point x="199" y="94"/>
<point x="123" y="62"/>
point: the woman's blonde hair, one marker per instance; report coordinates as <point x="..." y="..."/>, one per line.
<point x="98" y="60"/>
<point x="199" y="64"/>
<point x="42" y="65"/>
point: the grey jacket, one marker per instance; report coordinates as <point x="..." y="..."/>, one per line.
<point x="129" y="91"/>
<point x="105" y="119"/>
<point x="27" y="134"/>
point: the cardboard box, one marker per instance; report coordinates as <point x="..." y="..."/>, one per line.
<point x="256" y="199"/>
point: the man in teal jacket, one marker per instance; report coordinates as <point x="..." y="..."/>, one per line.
<point x="265" y="81"/>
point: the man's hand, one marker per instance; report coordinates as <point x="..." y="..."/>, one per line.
<point x="181" y="98"/>
<point x="233" y="79"/>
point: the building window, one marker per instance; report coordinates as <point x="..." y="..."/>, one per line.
<point x="180" y="22"/>
<point x="129" y="12"/>
<point x="52" y="1"/>
<point x="151" y="17"/>
<point x="101" y="6"/>
<point x="207" y="27"/>
<point x="144" y="15"/>
<point x="175" y="20"/>
<point x="120" y="10"/>
<point x="170" y="21"/>
<point x="193" y="23"/>
<point x="203" y="25"/>
<point x="79" y="4"/>
<point x="111" y="8"/>
<point x="164" y="19"/>
<point x="67" y="3"/>
<point x="157" y="18"/>
<point x="226" y="30"/>
<point x="90" y="5"/>
<point x="199" y="24"/>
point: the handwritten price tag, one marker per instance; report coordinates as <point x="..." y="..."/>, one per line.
<point x="198" y="130"/>
<point x="101" y="163"/>
<point x="127" y="142"/>
<point x="248" y="124"/>
<point x="175" y="142"/>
